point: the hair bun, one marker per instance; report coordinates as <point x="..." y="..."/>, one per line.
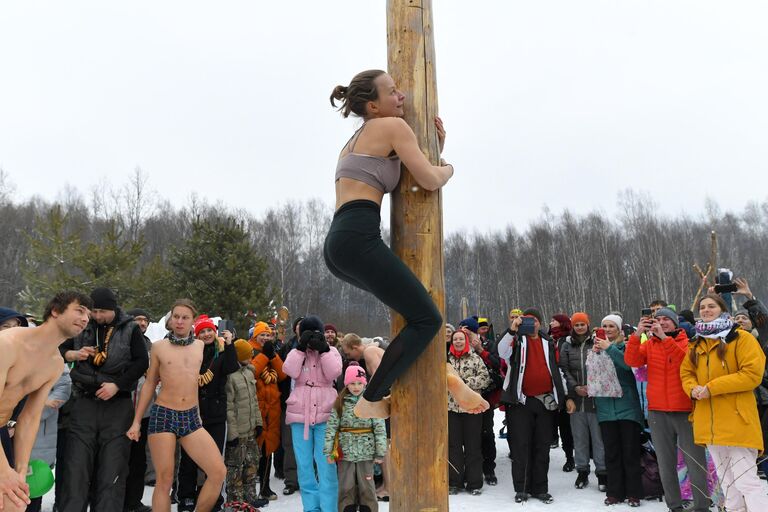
<point x="339" y="93"/>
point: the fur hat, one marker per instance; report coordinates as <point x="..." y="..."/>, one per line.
<point x="355" y="373"/>
<point x="311" y="323"/>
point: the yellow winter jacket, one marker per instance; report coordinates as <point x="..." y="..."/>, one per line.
<point x="729" y="417"/>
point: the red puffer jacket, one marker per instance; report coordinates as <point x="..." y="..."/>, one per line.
<point x="665" y="389"/>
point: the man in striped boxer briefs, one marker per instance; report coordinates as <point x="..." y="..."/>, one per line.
<point x="175" y="362"/>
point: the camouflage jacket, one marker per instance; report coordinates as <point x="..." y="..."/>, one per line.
<point x="355" y="447"/>
<point x="472" y="371"/>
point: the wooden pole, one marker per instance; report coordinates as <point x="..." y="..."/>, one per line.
<point x="419" y="452"/>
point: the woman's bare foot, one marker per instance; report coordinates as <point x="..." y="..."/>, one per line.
<point x="467" y="399"/>
<point x="366" y="409"/>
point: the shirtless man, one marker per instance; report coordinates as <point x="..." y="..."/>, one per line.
<point x="355" y="349"/>
<point x="175" y="362"/>
<point x="30" y="365"/>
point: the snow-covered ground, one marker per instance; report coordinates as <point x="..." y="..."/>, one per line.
<point x="500" y="497"/>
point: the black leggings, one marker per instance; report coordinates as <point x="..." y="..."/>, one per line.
<point x="355" y="253"/>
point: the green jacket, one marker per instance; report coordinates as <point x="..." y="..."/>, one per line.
<point x="628" y="406"/>
<point x="355" y="447"/>
<point x="243" y="414"/>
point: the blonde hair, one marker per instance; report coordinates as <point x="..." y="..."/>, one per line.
<point x="351" y="340"/>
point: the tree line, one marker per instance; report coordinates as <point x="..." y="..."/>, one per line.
<point x="243" y="266"/>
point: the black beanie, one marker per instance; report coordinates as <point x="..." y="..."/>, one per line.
<point x="311" y="323"/>
<point x="534" y="312"/>
<point x="139" y="312"/>
<point x="104" y="298"/>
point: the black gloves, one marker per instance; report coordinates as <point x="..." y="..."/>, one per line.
<point x="259" y="430"/>
<point x="317" y="342"/>
<point x="302" y="343"/>
<point x="268" y="349"/>
<point x="233" y="443"/>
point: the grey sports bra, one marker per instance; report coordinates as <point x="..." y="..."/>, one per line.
<point x="380" y="172"/>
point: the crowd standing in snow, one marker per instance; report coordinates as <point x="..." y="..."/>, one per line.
<point x="674" y="407"/>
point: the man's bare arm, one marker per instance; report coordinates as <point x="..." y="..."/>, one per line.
<point x="29" y="421"/>
<point x="9" y="357"/>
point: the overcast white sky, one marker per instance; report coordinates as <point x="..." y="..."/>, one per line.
<point x="557" y="103"/>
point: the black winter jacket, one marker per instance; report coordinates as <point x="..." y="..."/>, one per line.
<point x="573" y="359"/>
<point x="213" y="396"/>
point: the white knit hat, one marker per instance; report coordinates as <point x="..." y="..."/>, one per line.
<point x="616" y="319"/>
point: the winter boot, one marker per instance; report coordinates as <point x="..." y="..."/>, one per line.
<point x="491" y="479"/>
<point x="582" y="480"/>
<point x="569" y="465"/>
<point x="602" y="482"/>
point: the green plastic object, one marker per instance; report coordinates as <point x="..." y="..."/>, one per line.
<point x="39" y="478"/>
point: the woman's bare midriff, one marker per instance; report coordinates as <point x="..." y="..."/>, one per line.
<point x="348" y="190"/>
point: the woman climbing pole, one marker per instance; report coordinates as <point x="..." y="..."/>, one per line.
<point x="368" y="168"/>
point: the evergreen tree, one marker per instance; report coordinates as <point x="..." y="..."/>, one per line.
<point x="58" y="259"/>
<point x="219" y="269"/>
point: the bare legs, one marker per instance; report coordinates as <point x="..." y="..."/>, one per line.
<point x="163" y="449"/>
<point x="469" y="400"/>
<point x="202" y="449"/>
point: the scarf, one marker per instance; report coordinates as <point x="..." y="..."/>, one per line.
<point x="465" y="350"/>
<point x="716" y="329"/>
<point x="181" y="342"/>
<point x="578" y="339"/>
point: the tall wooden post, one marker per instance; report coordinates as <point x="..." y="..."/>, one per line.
<point x="419" y="453"/>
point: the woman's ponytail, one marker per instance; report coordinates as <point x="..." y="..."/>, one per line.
<point x="353" y="98"/>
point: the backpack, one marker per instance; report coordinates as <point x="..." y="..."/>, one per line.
<point x="650" y="474"/>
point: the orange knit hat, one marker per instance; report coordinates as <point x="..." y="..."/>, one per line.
<point x="580" y="317"/>
<point x="259" y="328"/>
<point x="243" y="350"/>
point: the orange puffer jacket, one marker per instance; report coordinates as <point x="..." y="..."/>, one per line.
<point x="663" y="357"/>
<point x="268" y="373"/>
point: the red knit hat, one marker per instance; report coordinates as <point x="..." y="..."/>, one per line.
<point x="355" y="373"/>
<point x="203" y="322"/>
<point x="564" y="321"/>
<point x="580" y="317"/>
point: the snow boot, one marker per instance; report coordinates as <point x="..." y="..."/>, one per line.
<point x="582" y="480"/>
<point x="602" y="482"/>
